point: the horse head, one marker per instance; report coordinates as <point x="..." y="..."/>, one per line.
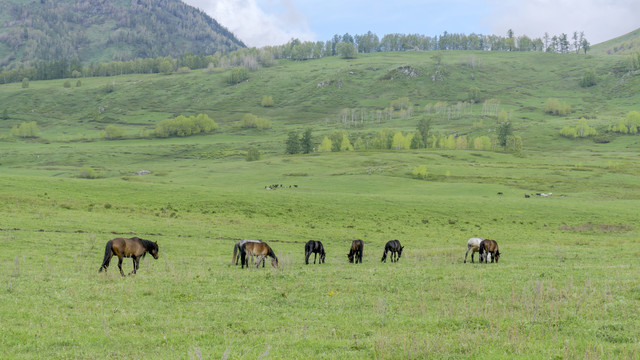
<point x="400" y="251"/>
<point x="274" y="262"/>
<point x="154" y="250"/>
<point x="350" y="256"/>
<point x="497" y="256"/>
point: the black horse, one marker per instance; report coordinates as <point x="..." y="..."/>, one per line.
<point x="316" y="248"/>
<point x="134" y="248"/>
<point x="395" y="248"/>
<point x="357" y="246"/>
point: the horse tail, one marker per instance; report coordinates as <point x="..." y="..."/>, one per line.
<point x="235" y="254"/>
<point x="107" y="256"/>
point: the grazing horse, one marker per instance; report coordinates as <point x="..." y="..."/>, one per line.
<point x="236" y="249"/>
<point x="259" y="249"/>
<point x="489" y="251"/>
<point x="356" y="249"/>
<point x="395" y="248"/>
<point x="315" y="247"/>
<point x="474" y="245"/>
<point x="134" y="248"/>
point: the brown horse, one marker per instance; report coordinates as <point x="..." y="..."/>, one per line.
<point x="134" y="248"/>
<point x="259" y="249"/>
<point x="489" y="251"/>
<point x="236" y="249"/>
<point x="357" y="246"/>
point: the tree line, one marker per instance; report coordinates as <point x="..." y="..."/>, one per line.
<point x="346" y="46"/>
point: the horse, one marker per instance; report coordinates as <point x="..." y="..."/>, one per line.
<point x="395" y="248"/>
<point x="134" y="248"/>
<point x="259" y="249"/>
<point x="236" y="249"/>
<point x="315" y="247"/>
<point x="474" y="245"/>
<point x="357" y="247"/>
<point x="489" y="251"/>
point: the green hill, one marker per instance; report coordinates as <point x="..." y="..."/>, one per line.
<point x="622" y="45"/>
<point x="98" y="31"/>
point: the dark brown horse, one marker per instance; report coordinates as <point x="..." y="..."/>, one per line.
<point x="357" y="246"/>
<point x="395" y="248"/>
<point x="259" y="249"/>
<point x="489" y="251"/>
<point x="315" y="247"/>
<point x="134" y="248"/>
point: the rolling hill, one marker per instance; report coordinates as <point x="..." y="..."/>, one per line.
<point x="98" y="31"/>
<point x="622" y="45"/>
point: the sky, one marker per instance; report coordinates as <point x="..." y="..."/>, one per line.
<point x="274" y="22"/>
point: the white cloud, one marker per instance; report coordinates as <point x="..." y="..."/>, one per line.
<point x="258" y="22"/>
<point x="600" y="20"/>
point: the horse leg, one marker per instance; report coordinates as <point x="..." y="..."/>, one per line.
<point x="120" y="265"/>
<point x="135" y="264"/>
<point x="315" y="256"/>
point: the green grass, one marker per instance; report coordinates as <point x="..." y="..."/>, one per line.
<point x="566" y="285"/>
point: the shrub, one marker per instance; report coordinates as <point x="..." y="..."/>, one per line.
<point x="253" y="154"/>
<point x="555" y="107"/>
<point x="88" y="173"/>
<point x="185" y="126"/>
<point x="419" y="172"/>
<point x="238" y="75"/>
<point x="251" y="121"/>
<point x="588" y="79"/>
<point x="25" y="130"/>
<point x="25" y="83"/>
<point x="267" y="101"/>
<point x="67" y="84"/>
<point x="112" y="133"/>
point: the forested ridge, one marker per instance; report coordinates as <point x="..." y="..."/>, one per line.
<point x="101" y="30"/>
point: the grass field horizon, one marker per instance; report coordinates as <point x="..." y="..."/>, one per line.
<point x="565" y="287"/>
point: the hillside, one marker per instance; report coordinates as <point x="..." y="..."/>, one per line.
<point x="98" y="31"/>
<point x="622" y="45"/>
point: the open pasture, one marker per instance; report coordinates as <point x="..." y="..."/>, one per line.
<point x="566" y="285"/>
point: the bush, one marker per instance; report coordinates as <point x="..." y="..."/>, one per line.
<point x="25" y="130"/>
<point x="238" y="75"/>
<point x="67" y="84"/>
<point x="555" y="107"/>
<point x="419" y="172"/>
<point x="185" y="126"/>
<point x="267" y="101"/>
<point x="112" y="133"/>
<point x="251" y="121"/>
<point x="25" y="83"/>
<point x="253" y="154"/>
<point x="88" y="173"/>
<point x="588" y="79"/>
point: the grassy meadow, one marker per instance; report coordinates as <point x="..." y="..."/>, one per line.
<point x="566" y="285"/>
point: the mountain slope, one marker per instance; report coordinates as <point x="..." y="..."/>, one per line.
<point x="102" y="30"/>
<point x="622" y="45"/>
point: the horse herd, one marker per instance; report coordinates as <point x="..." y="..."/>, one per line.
<point x="258" y="251"/>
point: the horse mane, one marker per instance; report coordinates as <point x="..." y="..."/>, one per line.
<point x="149" y="245"/>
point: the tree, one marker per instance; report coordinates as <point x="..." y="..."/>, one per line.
<point x="112" y="133"/>
<point x="346" y="50"/>
<point x="326" y="145"/>
<point x="398" y="141"/>
<point x="504" y="131"/>
<point x="588" y="79"/>
<point x="25" y="83"/>
<point x="293" y="143"/>
<point x="306" y="145"/>
<point x="424" y="127"/>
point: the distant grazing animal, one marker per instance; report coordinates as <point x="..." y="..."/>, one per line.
<point x="259" y="249"/>
<point x="395" y="248"/>
<point x="236" y="249"/>
<point x="489" y="251"/>
<point x="474" y="245"/>
<point x="315" y="247"/>
<point x="357" y="246"/>
<point x="134" y="248"/>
